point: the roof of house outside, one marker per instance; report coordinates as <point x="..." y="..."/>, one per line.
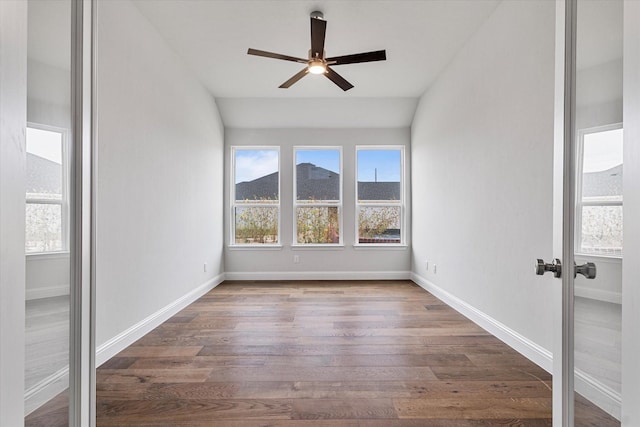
<point x="43" y="176"/>
<point x="378" y="191"/>
<point x="606" y="183"/>
<point x="314" y="183"/>
<point x="262" y="188"/>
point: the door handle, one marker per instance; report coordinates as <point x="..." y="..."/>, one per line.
<point x="587" y="269"/>
<point x="555" y="267"/>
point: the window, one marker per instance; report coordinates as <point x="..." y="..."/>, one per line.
<point x="379" y="195"/>
<point x="318" y="196"/>
<point x="46" y="213"/>
<point x="599" y="193"/>
<point x="255" y="199"/>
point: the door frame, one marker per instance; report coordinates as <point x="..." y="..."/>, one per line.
<point x="82" y="360"/>
<point x="564" y="210"/>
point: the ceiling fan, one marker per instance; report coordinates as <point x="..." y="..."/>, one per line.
<point x="317" y="63"/>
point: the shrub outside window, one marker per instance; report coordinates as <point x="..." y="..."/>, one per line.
<point x="318" y="196"/>
<point x="599" y="192"/>
<point x="379" y="195"/>
<point x="255" y="198"/>
<point x="47" y="208"/>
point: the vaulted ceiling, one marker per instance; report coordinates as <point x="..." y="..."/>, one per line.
<point x="420" y="37"/>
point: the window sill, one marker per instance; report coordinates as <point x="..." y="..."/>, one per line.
<point x="48" y="255"/>
<point x="317" y="247"/>
<point x="380" y="246"/>
<point x="254" y="247"/>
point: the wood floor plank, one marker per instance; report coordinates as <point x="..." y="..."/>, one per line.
<point x="323" y="373"/>
<point x="170" y="375"/>
<point x="132" y="411"/>
<point x="474" y="408"/>
<point x="466" y="373"/>
<point x="333" y="409"/>
<point x="142" y="351"/>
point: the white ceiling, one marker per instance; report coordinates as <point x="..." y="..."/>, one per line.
<point x="420" y="37"/>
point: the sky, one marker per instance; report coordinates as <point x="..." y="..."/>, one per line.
<point x="253" y="164"/>
<point x="327" y="159"/>
<point x="386" y="162"/>
<point x="602" y="150"/>
<point x="44" y="143"/>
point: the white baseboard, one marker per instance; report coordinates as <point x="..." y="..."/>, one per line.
<point x="48" y="292"/>
<point x="318" y="275"/>
<point x="532" y="351"/>
<point x="598" y="393"/>
<point x="46" y="390"/>
<point x="604" y="397"/>
<point x="121" y="341"/>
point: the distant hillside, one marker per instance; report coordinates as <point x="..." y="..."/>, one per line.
<point x="315" y="183"/>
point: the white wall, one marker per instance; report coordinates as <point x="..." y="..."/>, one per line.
<point x="631" y="274"/>
<point x="159" y="176"/>
<point x="335" y="263"/>
<point x="482" y="151"/>
<point x="13" y="117"/>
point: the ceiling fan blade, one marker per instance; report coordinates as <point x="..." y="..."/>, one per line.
<point x="378" y="55"/>
<point x="318" y="31"/>
<point x="266" y="54"/>
<point x="294" y="79"/>
<point x="338" y="79"/>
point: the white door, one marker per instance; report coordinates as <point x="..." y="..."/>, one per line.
<point x="588" y="204"/>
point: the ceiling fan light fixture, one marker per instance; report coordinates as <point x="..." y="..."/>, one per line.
<point x="317" y="67"/>
<point x="317" y="62"/>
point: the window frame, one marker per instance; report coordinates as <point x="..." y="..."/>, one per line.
<point x="580" y="202"/>
<point x="377" y="203"/>
<point x="64" y="197"/>
<point x="339" y="204"/>
<point x="235" y="204"/>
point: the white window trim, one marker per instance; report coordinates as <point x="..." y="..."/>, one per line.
<point x="296" y="204"/>
<point x="233" y="203"/>
<point x="580" y="203"/>
<point x="378" y="203"/>
<point x="64" y="201"/>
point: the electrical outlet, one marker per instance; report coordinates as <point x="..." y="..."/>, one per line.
<point x="426" y="264"/>
<point x="205" y="267"/>
<point x="435" y="269"/>
<point x="296" y="259"/>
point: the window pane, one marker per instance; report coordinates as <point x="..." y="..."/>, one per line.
<point x="256" y="225"/>
<point x="602" y="230"/>
<point x="379" y="224"/>
<point x="379" y="175"/>
<point x="43" y="228"/>
<point x="44" y="164"/>
<point x="256" y="175"/>
<point x="318" y="224"/>
<point x="602" y="165"/>
<point x="317" y="175"/>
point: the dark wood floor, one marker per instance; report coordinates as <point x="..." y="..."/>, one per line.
<point x="320" y="354"/>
